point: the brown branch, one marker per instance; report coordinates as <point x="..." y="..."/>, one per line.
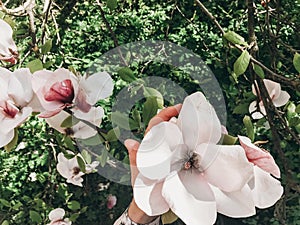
<point x="112" y="33"/>
<point x="214" y="20"/>
<point x="19" y="11"/>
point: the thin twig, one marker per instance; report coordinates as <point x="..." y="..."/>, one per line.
<point x="112" y="33"/>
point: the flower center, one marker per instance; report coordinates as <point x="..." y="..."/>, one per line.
<point x="61" y="91"/>
<point x="192" y="162"/>
<point x="76" y="171"/>
<point x="9" y="109"/>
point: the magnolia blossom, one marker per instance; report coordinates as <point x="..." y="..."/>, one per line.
<point x="57" y="217"/>
<point x="182" y="168"/>
<point x="70" y="169"/>
<point x="111" y="201"/>
<point x="8" y="49"/>
<point x="278" y="97"/>
<point x="17" y="101"/>
<point x="61" y="88"/>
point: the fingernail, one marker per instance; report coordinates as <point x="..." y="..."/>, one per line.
<point x="131" y="144"/>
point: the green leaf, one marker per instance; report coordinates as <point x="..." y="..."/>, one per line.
<point x="13" y="142"/>
<point x="5" y="222"/>
<point x="152" y="92"/>
<point x="123" y="121"/>
<point x="297" y="110"/>
<point x="74" y="217"/>
<point x="69" y="122"/>
<point x="228" y="139"/>
<point x="92" y="141"/>
<point x="137" y="117"/>
<point x="113" y="135"/>
<point x="150" y="109"/>
<point x="81" y="163"/>
<point x="35" y="65"/>
<point x="259" y="71"/>
<point x="45" y="48"/>
<point x="169" y="217"/>
<point x="249" y="127"/>
<point x="87" y="157"/>
<point x="126" y="74"/>
<point x="296" y="62"/>
<point x="241" y="64"/>
<point x="103" y="158"/>
<point x="112" y="4"/>
<point x="241" y="109"/>
<point x="73" y="205"/>
<point x="5" y="202"/>
<point x="35" y="216"/>
<point x="235" y="38"/>
<point x="68" y="141"/>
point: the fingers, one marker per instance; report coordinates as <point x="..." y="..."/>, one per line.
<point x="132" y="147"/>
<point x="164" y="115"/>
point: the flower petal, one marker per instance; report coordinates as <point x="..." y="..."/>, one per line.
<point x="155" y="152"/>
<point x="190" y="197"/>
<point x="259" y="157"/>
<point x="282" y="99"/>
<point x="273" y="88"/>
<point x="235" y="204"/>
<point x="5" y="138"/>
<point x="267" y="190"/>
<point x="148" y="196"/>
<point x="230" y="170"/>
<point x="252" y="110"/>
<point x="97" y="86"/>
<point x="57" y="214"/>
<point x="198" y="121"/>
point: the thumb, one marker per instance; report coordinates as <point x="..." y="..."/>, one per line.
<point x="132" y="148"/>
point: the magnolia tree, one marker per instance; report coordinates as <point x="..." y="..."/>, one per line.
<point x="191" y="167"/>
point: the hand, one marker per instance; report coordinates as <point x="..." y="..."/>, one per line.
<point x="134" y="212"/>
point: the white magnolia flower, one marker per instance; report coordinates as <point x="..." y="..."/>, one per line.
<point x="90" y="168"/>
<point x="57" y="217"/>
<point x="8" y="48"/>
<point x="278" y="97"/>
<point x="17" y="101"/>
<point x="182" y="168"/>
<point x="61" y="88"/>
<point x="69" y="169"/>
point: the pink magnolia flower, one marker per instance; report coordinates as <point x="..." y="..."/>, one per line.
<point x="278" y="97"/>
<point x="69" y="169"/>
<point x="8" y="48"/>
<point x="111" y="201"/>
<point x="61" y="88"/>
<point x="17" y="101"/>
<point x="182" y="168"/>
<point x="57" y="217"/>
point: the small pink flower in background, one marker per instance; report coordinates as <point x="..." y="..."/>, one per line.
<point x="56" y="217"/>
<point x="17" y="101"/>
<point x="8" y="49"/>
<point x="111" y="201"/>
<point x="69" y="169"/>
<point x="278" y="97"/>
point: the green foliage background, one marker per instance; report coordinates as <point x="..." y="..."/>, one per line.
<point x="79" y="35"/>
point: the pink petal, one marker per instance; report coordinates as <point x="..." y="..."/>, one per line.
<point x="235" y="204"/>
<point x="230" y="170"/>
<point x="155" y="152"/>
<point x="282" y="99"/>
<point x="190" y="198"/>
<point x="148" y="196"/>
<point x="56" y="120"/>
<point x="267" y="190"/>
<point x="61" y="92"/>
<point x="57" y="214"/>
<point x="8" y="49"/>
<point x="259" y="157"/>
<point x="198" y="121"/>
<point x="273" y="88"/>
<point x="111" y="201"/>
<point x="253" y="111"/>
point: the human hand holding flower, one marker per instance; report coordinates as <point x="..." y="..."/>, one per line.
<point x="134" y="212"/>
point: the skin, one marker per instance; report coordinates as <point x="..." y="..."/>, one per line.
<point x="134" y="212"/>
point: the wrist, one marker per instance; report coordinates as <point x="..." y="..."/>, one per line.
<point x="137" y="215"/>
